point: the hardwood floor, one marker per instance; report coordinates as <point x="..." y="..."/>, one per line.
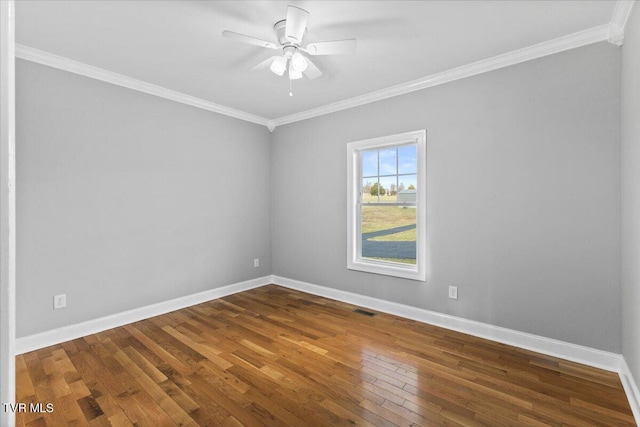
<point x="272" y="356"/>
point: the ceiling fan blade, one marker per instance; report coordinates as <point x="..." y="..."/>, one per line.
<point x="312" y="72"/>
<point x="264" y="64"/>
<point x="337" y="47"/>
<point x="296" y="24"/>
<point x="246" y="39"/>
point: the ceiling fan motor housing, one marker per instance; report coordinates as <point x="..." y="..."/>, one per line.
<point x="289" y="50"/>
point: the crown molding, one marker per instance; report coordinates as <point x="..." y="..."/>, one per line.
<point x="621" y="12"/>
<point x="66" y="64"/>
<point x="619" y="21"/>
<point x="271" y="125"/>
<point x="561" y="44"/>
<point x="612" y="32"/>
<point x="616" y="35"/>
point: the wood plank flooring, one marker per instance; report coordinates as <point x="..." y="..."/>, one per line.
<point x="276" y="357"/>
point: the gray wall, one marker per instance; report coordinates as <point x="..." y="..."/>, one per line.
<point x="126" y="199"/>
<point x="631" y="194"/>
<point x="523" y="197"/>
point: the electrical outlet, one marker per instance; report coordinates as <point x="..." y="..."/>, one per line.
<point x="59" y="301"/>
<point x="453" y="292"/>
<point x="256" y="262"/>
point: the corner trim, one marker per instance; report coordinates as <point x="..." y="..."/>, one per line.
<point x="630" y="388"/>
<point x="7" y="211"/>
<point x="67" y="333"/>
<point x="66" y="64"/>
<point x="561" y="44"/>
<point x="573" y="352"/>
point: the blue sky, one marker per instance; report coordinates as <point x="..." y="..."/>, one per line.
<point x="406" y="161"/>
<point x="406" y="164"/>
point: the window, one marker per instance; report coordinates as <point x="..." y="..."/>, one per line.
<point x="386" y="199"/>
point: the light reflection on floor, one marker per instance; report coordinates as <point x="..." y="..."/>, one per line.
<point x="392" y="383"/>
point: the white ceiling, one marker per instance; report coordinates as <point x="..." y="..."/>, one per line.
<point x="177" y="44"/>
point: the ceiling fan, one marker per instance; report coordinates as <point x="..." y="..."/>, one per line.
<point x="290" y="33"/>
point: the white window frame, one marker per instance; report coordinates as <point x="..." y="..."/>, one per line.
<point x="355" y="261"/>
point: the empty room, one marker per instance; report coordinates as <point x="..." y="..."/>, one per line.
<point x="319" y="213"/>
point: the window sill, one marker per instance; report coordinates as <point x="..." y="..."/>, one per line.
<point x="388" y="269"/>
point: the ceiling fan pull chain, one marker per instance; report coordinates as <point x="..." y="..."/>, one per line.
<point x="290" y="88"/>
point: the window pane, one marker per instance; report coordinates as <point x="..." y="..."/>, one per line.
<point x="388" y="190"/>
<point x="369" y="190"/>
<point x="388" y="162"/>
<point x="370" y="163"/>
<point x="407" y="185"/>
<point x="389" y="233"/>
<point x="407" y="159"/>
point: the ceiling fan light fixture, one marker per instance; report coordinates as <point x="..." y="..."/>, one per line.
<point x="298" y="62"/>
<point x="296" y="57"/>
<point x="279" y="65"/>
<point x="294" y="74"/>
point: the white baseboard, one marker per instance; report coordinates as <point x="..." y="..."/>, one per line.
<point x="573" y="352"/>
<point x="66" y="333"/>
<point x="630" y="388"/>
<point x="576" y="353"/>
